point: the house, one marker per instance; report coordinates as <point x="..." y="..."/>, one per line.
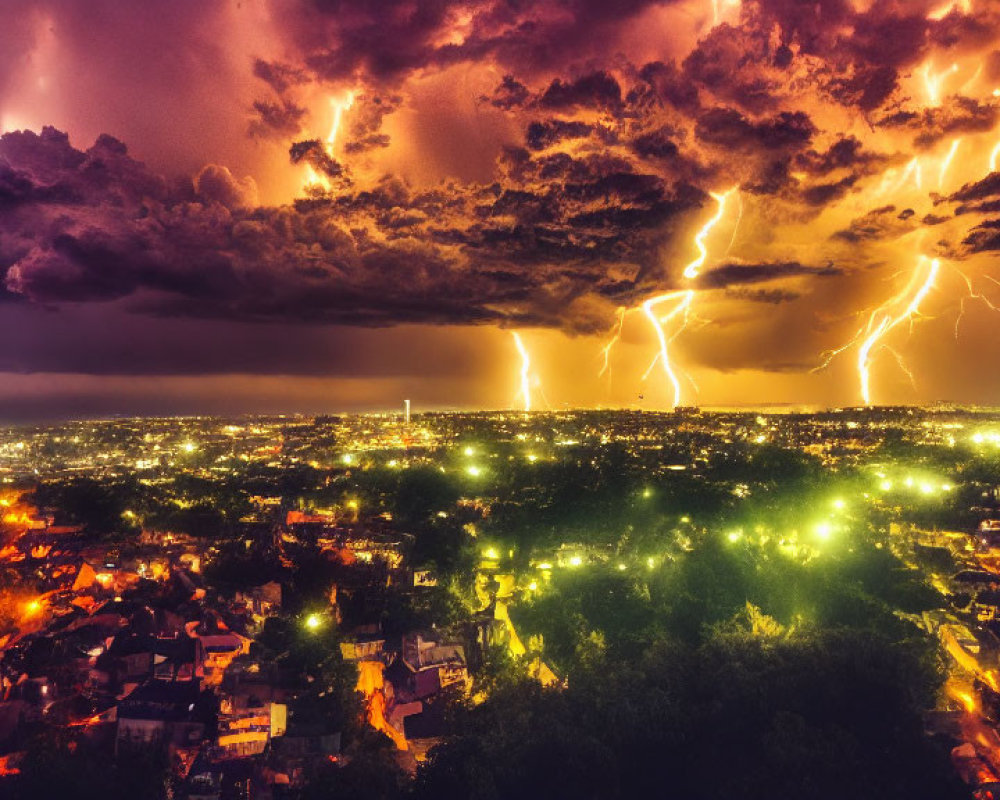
<point x="426" y="666"/>
<point x="248" y="731"/>
<point x="261" y="601"/>
<point x="365" y="643"/>
<point x="163" y="713"/>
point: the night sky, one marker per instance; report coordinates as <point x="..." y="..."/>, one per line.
<point x="321" y="206"/>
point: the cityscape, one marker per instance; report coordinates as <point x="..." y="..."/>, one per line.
<point x="377" y="606"/>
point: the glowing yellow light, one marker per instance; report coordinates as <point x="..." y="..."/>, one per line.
<point x="313" y="621"/>
<point x="926" y="488"/>
<point x="545" y="565"/>
<point x="347" y="458"/>
<point x="839" y="504"/>
<point x="663" y="355"/>
<point x="339" y="107"/>
<point x="946" y="487"/>
<point x="824" y="530"/>
<point x="575" y="561"/>
<point x="621" y="567"/>
<point x="468" y="451"/>
<point x="189" y="447"/>
<point x="473" y="470"/>
<point x="491" y="553"/>
<point x="532" y="458"/>
<point x="886" y="486"/>
<point x="909" y="483"/>
<point x="533" y="586"/>
<point x="650" y="562"/>
<point x="647" y="493"/>
<point x="943" y="11"/>
<point x="734" y="536"/>
<point x="525" y="390"/>
<point x="932" y="83"/>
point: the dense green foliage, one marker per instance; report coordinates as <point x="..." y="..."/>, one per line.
<point x="829" y="714"/>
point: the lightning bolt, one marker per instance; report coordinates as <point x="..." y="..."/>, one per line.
<point x="525" y="390"/>
<point x="663" y="354"/>
<point x="606" y="350"/>
<point x="932" y="82"/>
<point x="681" y="310"/>
<point x="339" y="106"/>
<point x="993" y="157"/>
<point x="946" y="162"/>
<point x="884" y="319"/>
<point x="972" y="295"/>
<point x="912" y="168"/>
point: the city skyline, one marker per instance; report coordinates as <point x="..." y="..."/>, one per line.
<point x="314" y="207"/>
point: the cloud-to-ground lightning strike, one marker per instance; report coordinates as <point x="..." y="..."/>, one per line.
<point x="525" y="380"/>
<point x="884" y="319"/>
<point x="663" y="355"/>
<point x="994" y="155"/>
<point x="684" y="298"/>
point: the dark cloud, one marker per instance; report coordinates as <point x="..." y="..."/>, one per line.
<point x="823" y="193"/>
<point x="769" y="296"/>
<point x="383" y="42"/>
<point x="367" y="114"/>
<point x="933" y="219"/>
<point x="658" y="143"/>
<point x="511" y="93"/>
<point x="733" y="63"/>
<point x="96" y="226"/>
<point x="541" y="135"/>
<point x="737" y="273"/>
<point x="282" y="120"/>
<point x="956" y="115"/>
<point x="726" y="127"/>
<point x="846" y="153"/>
<point x="987" y="187"/>
<point x="983" y="238"/>
<point x="597" y="89"/>
<point x="280" y="77"/>
<point x="878" y="224"/>
<point x="313" y="152"/>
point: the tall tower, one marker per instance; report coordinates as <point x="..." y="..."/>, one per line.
<point x="407" y="403"/>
